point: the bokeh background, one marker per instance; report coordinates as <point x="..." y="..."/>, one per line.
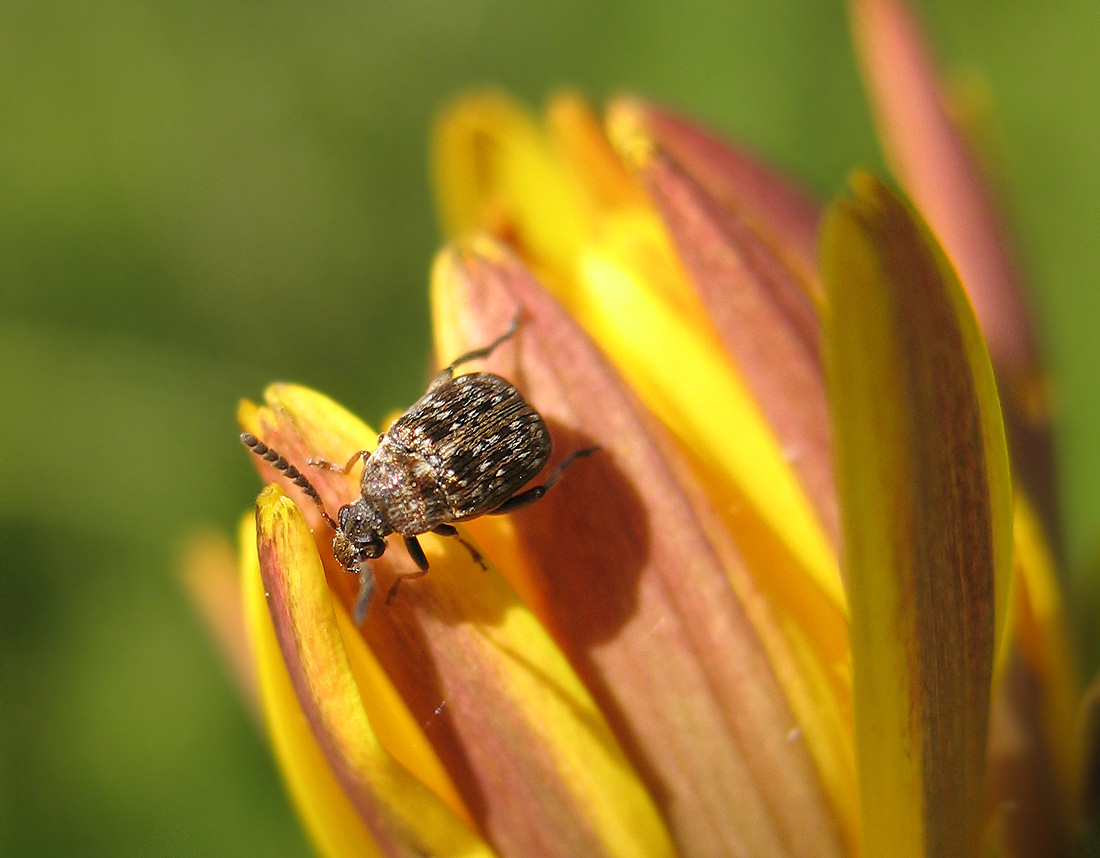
<point x="199" y="197"/>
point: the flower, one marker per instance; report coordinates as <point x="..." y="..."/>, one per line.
<point x="777" y="613"/>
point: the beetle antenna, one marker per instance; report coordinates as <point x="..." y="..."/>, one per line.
<point x="288" y="470"/>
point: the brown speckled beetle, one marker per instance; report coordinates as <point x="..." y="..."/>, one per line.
<point x="463" y="450"/>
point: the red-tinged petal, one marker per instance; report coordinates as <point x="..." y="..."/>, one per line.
<point x="764" y="317"/>
<point x="941" y="173"/>
<point x="682" y="373"/>
<point x="643" y="589"/>
<point x="330" y="818"/>
<point x="295" y="413"/>
<point x="684" y="376"/>
<point x="616" y="272"/>
<point x="534" y="760"/>
<point x="403" y="816"/>
<point x="1035" y="744"/>
<point x="924" y="489"/>
<point x="784" y="217"/>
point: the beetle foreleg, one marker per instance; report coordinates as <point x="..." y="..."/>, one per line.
<point x="412" y="575"/>
<point x="346" y="469"/>
<point x="412" y="544"/>
<point x="366" y="590"/>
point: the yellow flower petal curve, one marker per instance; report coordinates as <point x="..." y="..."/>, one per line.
<point x="494" y="170"/>
<point x="760" y="311"/>
<point x="333" y="429"/>
<point x="924" y="488"/>
<point x="333" y="824"/>
<point x="615" y="269"/>
<point x="783" y="215"/>
<point x="402" y="814"/>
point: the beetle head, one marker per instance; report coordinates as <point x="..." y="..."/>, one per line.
<point x="359" y="535"/>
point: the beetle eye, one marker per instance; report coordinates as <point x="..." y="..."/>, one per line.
<point x="342" y="516"/>
<point x="374" y="548"/>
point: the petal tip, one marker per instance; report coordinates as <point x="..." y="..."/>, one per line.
<point x="248" y="416"/>
<point x="629" y="132"/>
<point x="272" y="504"/>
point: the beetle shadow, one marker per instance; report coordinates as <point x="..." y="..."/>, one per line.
<point x="589" y="548"/>
<point x="586" y="546"/>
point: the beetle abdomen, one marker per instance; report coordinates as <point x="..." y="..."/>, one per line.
<point x="481" y="438"/>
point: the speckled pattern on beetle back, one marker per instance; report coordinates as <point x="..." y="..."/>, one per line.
<point x="463" y="449"/>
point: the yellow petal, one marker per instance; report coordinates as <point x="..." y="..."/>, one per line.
<point x="625" y="285"/>
<point x="618" y="276"/>
<point x="495" y="170"/>
<point x="692" y="387"/>
<point x="582" y="145"/>
<point x="1041" y="628"/>
<point x="330" y="819"/>
<point x="925" y="495"/>
<point x="318" y="417"/>
<point x="537" y="764"/>
<point x="403" y="816"/>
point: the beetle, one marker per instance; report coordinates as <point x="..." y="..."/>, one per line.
<point x="463" y="450"/>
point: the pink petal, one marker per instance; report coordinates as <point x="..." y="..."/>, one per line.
<point x="762" y="313"/>
<point x="635" y="575"/>
<point x="739" y="181"/>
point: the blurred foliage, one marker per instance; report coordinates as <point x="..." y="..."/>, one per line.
<point x="198" y="198"/>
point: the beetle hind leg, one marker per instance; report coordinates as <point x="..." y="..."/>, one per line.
<point x="533" y="494"/>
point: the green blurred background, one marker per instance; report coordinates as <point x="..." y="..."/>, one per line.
<point x="198" y="198"/>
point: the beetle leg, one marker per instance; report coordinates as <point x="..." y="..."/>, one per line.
<point x="393" y="589"/>
<point x="346" y="469"/>
<point x="533" y="494"/>
<point x="477" y="354"/>
<point x="366" y="590"/>
<point x="416" y="552"/>
<point x="451" y="530"/>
